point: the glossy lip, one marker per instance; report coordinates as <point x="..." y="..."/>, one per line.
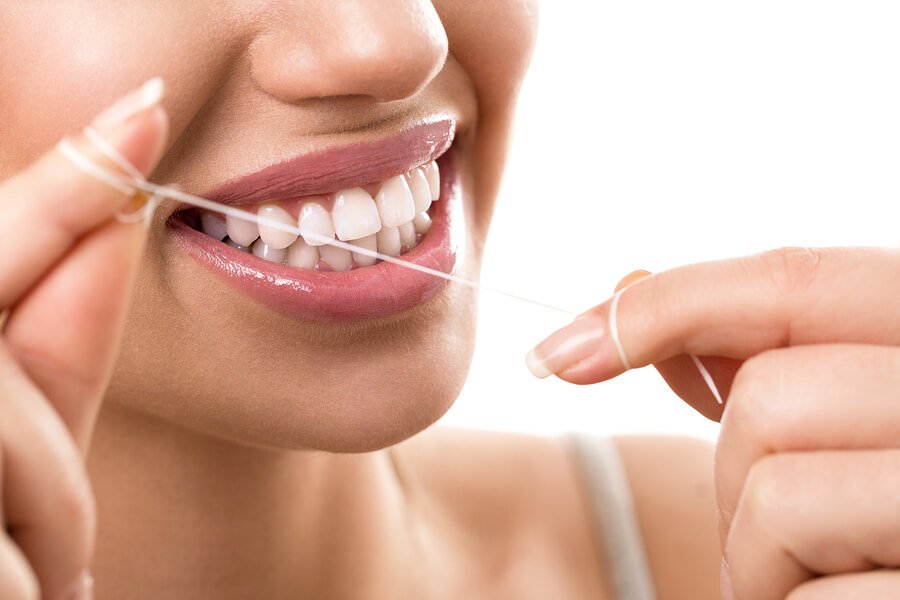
<point x="341" y="167"/>
<point x="377" y="291"/>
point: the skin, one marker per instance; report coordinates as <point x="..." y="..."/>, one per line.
<point x="269" y="479"/>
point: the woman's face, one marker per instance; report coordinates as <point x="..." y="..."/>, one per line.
<point x="337" y="95"/>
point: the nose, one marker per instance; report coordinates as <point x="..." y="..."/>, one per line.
<point x="381" y="49"/>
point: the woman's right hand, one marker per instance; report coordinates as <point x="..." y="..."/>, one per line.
<point x="65" y="279"/>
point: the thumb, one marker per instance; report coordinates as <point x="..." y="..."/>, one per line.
<point x="65" y="330"/>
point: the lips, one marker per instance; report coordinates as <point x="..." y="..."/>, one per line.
<point x="374" y="291"/>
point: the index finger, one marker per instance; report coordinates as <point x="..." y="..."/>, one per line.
<point x="47" y="207"/>
<point x="735" y="309"/>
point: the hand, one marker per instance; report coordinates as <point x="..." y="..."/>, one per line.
<point x="65" y="280"/>
<point x="808" y="459"/>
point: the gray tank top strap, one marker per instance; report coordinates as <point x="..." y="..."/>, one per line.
<point x="609" y="494"/>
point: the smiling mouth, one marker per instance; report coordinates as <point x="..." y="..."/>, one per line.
<point x="411" y="208"/>
<point x="390" y="217"/>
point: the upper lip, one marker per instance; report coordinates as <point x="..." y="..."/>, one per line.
<point x="341" y="167"/>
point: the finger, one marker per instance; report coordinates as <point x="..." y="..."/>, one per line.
<point x="17" y="581"/>
<point x="808" y="514"/>
<point x="681" y="374"/>
<point x="736" y="309"/>
<point x="835" y="396"/>
<point x="881" y="584"/>
<point x="52" y="203"/>
<point x="83" y="301"/>
<point x="47" y="501"/>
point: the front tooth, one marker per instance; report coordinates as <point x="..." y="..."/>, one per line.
<point x="422" y="223"/>
<point x="408" y="234"/>
<point x="301" y="254"/>
<point x="315" y="219"/>
<point x="213" y="225"/>
<point x="389" y="241"/>
<point x="421" y="193"/>
<point x="337" y="258"/>
<point x="433" y="175"/>
<point x="395" y="202"/>
<point x="267" y="252"/>
<point x="276" y="238"/>
<point x="368" y="243"/>
<point x="240" y="230"/>
<point x="354" y="214"/>
<point x="236" y="246"/>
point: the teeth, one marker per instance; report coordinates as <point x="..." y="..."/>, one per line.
<point x="301" y="254"/>
<point x="421" y="193"/>
<point x="408" y="235"/>
<point x="241" y="231"/>
<point x="276" y="238"/>
<point x="354" y="215"/>
<point x="388" y="217"/>
<point x="395" y="202"/>
<point x="267" y="252"/>
<point x="433" y="175"/>
<point x="237" y="246"/>
<point x="368" y="243"/>
<point x="337" y="258"/>
<point x="316" y="220"/>
<point x="389" y="241"/>
<point x="213" y="225"/>
<point x="422" y="223"/>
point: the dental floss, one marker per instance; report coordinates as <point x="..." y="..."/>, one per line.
<point x="158" y="192"/>
<point x="614" y="329"/>
<point x="139" y="183"/>
<point x="614" y="334"/>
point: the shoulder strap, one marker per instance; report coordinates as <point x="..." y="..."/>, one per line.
<point x="609" y="494"/>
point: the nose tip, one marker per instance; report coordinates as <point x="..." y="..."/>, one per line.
<point x="386" y="51"/>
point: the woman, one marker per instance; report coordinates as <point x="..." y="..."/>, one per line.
<point x="242" y="429"/>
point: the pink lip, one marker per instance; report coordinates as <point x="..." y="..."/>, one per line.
<point x="377" y="291"/>
<point x="342" y="167"/>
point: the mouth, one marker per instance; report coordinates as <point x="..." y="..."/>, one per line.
<point x="397" y="196"/>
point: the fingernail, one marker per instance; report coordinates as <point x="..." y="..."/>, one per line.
<point x="82" y="589"/>
<point x="725" y="582"/>
<point x="574" y="343"/>
<point x="145" y="97"/>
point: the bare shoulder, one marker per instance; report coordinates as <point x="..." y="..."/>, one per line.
<point x="522" y="494"/>
<point x="672" y="484"/>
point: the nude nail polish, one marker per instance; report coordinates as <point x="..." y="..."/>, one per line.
<point x="574" y="343"/>
<point x="133" y="103"/>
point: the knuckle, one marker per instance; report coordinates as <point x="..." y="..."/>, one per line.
<point x="792" y="269"/>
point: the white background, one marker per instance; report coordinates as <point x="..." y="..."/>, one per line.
<point x="658" y="133"/>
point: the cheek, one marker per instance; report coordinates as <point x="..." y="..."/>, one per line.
<point x="61" y="63"/>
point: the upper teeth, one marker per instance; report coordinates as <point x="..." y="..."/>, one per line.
<point x="386" y="222"/>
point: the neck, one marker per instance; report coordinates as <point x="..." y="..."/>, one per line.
<point x="185" y="515"/>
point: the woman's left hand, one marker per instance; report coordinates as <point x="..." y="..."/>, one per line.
<point x="807" y="354"/>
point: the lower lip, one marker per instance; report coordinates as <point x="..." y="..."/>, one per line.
<point x="377" y="291"/>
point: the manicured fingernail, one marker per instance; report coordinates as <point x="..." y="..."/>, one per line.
<point x="142" y="99"/>
<point x="725" y="582"/>
<point x="574" y="343"/>
<point x="82" y="589"/>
